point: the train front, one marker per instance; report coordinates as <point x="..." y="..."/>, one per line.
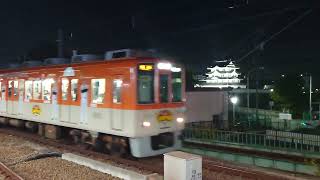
<point x="160" y="114"/>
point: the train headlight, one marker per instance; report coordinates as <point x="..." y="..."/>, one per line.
<point x="146" y="124"/>
<point x="164" y="66"/>
<point x="180" y="120"/>
<point x="175" y="69"/>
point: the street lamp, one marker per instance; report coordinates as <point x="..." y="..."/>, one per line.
<point x="234" y="100"/>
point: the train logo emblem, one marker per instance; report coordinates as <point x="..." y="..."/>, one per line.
<point x="165" y="115"/>
<point x="36" y="110"/>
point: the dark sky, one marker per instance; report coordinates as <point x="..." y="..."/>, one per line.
<point x="195" y="32"/>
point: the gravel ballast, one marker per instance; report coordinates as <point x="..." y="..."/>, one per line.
<point x="14" y="151"/>
<point x="56" y="168"/>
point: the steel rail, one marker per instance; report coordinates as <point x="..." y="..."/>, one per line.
<point x="8" y="173"/>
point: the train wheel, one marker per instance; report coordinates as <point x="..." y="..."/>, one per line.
<point x="115" y="145"/>
<point x="41" y="131"/>
<point x="125" y="152"/>
<point x="75" y="134"/>
<point x="119" y="147"/>
<point x="4" y="121"/>
<point x="31" y="127"/>
<point x="99" y="145"/>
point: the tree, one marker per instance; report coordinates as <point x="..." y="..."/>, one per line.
<point x="289" y="94"/>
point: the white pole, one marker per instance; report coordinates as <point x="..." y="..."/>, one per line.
<point x="248" y="99"/>
<point x="310" y="97"/>
<point x="234" y="114"/>
<point x="248" y="92"/>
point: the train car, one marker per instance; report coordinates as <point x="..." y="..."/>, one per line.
<point x="119" y="103"/>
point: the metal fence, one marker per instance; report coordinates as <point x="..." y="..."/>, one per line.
<point x="250" y="118"/>
<point x="201" y="124"/>
<point x="260" y="124"/>
<point x="259" y="140"/>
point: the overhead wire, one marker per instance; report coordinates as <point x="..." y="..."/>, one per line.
<point x="275" y="34"/>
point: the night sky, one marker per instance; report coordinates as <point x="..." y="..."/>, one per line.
<point x="195" y="33"/>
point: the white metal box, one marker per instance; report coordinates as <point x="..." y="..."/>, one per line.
<point x="179" y="165"/>
<point x="285" y="116"/>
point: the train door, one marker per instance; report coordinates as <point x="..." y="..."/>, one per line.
<point x="69" y="110"/>
<point x="12" y="97"/>
<point x="84" y="88"/>
<point x="164" y="95"/>
<point x="74" y="109"/>
<point x="54" y="102"/>
<point x="20" y="96"/>
<point x="64" y="107"/>
<point x="3" y="100"/>
<point x="164" y="87"/>
<point x="117" y="111"/>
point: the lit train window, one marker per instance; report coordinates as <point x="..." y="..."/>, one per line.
<point x="116" y="93"/>
<point x="176" y="86"/>
<point x="15" y="88"/>
<point x="46" y="89"/>
<point x="64" y="89"/>
<point x="98" y="87"/>
<point x="10" y="88"/>
<point x="28" y="92"/>
<point x="145" y="84"/>
<point x="36" y="89"/>
<point x="21" y="87"/>
<point x="74" y="89"/>
<point x="164" y="78"/>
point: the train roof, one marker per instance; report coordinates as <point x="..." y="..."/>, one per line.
<point x="121" y="62"/>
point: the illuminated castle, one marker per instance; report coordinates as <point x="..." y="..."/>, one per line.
<point x="222" y="77"/>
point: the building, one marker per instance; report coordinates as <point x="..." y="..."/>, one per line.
<point x="222" y="76"/>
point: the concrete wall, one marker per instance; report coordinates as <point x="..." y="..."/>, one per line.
<point x="202" y="105"/>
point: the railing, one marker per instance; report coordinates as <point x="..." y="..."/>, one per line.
<point x="261" y="124"/>
<point x="262" y="140"/>
<point x="260" y="112"/>
<point x="201" y="124"/>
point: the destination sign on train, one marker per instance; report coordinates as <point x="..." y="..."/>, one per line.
<point x="145" y="67"/>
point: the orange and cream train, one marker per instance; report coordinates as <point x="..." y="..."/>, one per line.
<point x="129" y="104"/>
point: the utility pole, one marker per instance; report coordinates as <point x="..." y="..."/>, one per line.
<point x="310" y="96"/>
<point x="60" y="43"/>
<point x="248" y="90"/>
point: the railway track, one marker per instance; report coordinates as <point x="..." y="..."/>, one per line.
<point x="138" y="164"/>
<point x="234" y="172"/>
<point x="212" y="169"/>
<point x="8" y="174"/>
